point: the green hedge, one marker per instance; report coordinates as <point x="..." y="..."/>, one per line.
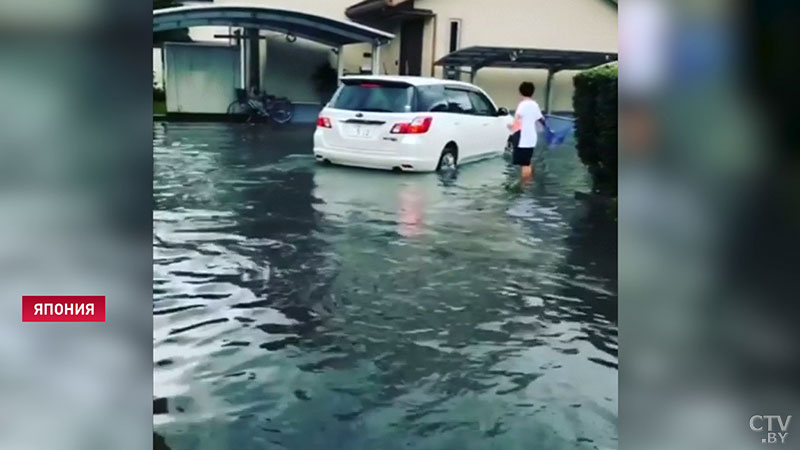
<point x="595" y="104"/>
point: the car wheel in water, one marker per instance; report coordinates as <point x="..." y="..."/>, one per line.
<point x="448" y="161"/>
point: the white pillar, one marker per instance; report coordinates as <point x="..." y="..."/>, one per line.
<point x="340" y="64"/>
<point x="376" y="58"/>
<point x="242" y="65"/>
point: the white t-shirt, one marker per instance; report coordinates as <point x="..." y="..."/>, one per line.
<point x="528" y="112"/>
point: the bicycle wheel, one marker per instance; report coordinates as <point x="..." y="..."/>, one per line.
<point x="281" y="111"/>
<point x="237" y="107"/>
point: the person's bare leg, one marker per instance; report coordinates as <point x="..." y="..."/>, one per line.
<point x="526" y="174"/>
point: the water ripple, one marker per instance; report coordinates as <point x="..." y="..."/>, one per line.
<point x="303" y="306"/>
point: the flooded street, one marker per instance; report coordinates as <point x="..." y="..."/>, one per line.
<point x="301" y="306"/>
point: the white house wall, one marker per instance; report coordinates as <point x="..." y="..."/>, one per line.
<point x="563" y="25"/>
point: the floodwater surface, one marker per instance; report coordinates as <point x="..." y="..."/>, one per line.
<point x="302" y="306"/>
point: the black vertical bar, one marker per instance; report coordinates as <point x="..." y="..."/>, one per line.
<point x="253" y="66"/>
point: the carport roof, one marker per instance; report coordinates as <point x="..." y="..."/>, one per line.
<point x="304" y="25"/>
<point x="525" y="58"/>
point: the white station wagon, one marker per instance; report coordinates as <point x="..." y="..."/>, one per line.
<point x="411" y="124"/>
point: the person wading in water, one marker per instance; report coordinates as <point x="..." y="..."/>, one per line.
<point x="525" y="136"/>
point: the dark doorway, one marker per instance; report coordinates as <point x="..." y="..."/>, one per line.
<point x="411" y="47"/>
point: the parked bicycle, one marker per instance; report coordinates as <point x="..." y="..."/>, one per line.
<point x="260" y="107"/>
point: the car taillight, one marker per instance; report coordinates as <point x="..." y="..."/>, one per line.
<point x="323" y="122"/>
<point x="417" y="126"/>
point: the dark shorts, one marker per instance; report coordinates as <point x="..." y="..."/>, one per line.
<point x="522" y="156"/>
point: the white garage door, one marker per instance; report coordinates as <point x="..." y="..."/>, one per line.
<point x="201" y="78"/>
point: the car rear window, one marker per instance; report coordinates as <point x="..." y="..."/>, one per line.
<point x="459" y="101"/>
<point x="431" y="98"/>
<point x="374" y="97"/>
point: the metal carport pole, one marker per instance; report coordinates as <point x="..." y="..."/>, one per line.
<point x="376" y="57"/>
<point x="549" y="90"/>
<point x="340" y="64"/>
<point x="242" y="66"/>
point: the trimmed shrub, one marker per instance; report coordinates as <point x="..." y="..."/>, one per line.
<point x="159" y="95"/>
<point x="595" y="104"/>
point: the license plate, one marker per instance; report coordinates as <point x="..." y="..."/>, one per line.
<point x="360" y="131"/>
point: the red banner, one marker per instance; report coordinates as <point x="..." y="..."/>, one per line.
<point x="64" y="308"/>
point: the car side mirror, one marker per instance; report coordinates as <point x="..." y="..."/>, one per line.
<point x="502" y="112"/>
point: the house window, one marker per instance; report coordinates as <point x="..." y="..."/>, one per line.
<point x="455" y="34"/>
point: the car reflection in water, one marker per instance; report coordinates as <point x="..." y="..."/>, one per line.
<point x="412" y="212"/>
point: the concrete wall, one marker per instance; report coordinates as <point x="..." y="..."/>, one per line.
<point x="390" y="54"/>
<point x="503" y="86"/>
<point x="430" y="36"/>
<point x="289" y="67"/>
<point x="201" y="77"/>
